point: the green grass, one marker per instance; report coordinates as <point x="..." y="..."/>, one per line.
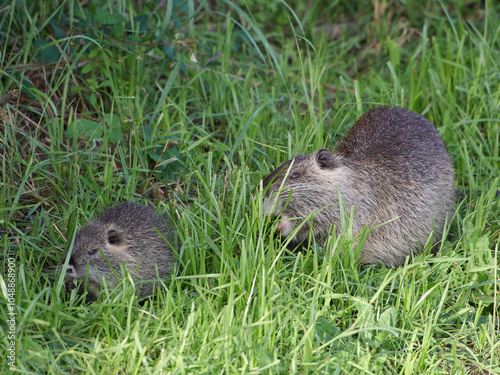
<point x="112" y="108"/>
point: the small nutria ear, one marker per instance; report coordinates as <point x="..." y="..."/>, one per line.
<point x="113" y="237"/>
<point x="325" y="159"/>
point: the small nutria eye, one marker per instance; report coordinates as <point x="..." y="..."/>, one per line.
<point x="295" y="175"/>
<point x="91" y="252"/>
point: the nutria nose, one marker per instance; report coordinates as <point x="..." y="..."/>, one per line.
<point x="70" y="270"/>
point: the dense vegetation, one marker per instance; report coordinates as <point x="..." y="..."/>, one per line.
<point x="187" y="105"/>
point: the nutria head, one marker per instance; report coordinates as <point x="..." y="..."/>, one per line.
<point x="124" y="234"/>
<point x="306" y="187"/>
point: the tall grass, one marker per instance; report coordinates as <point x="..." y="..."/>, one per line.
<point x="189" y="106"/>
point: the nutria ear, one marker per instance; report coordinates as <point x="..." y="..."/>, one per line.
<point x="113" y="237"/>
<point x="325" y="159"/>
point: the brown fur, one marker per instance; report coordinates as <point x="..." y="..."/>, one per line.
<point x="391" y="165"/>
<point x="122" y="234"/>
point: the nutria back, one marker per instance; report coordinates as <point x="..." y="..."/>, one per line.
<point x="392" y="168"/>
<point x="123" y="234"/>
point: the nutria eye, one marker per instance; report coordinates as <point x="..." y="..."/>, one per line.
<point x="91" y="252"/>
<point x="295" y="175"/>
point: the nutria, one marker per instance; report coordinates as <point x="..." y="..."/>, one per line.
<point x="392" y="168"/>
<point x="122" y="234"/>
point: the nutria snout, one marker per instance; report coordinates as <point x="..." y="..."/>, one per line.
<point x="392" y="168"/>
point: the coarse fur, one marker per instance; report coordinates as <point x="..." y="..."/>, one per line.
<point x="122" y="234"/>
<point x="392" y="168"/>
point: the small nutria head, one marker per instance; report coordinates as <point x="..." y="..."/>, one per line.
<point x="304" y="188"/>
<point x="124" y="234"/>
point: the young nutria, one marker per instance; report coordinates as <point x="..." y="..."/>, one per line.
<point x="122" y="234"/>
<point x="392" y="168"/>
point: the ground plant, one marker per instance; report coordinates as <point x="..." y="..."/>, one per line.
<point x="187" y="105"/>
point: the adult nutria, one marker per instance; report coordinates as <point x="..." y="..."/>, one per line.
<point x="122" y="234"/>
<point x="392" y="168"/>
